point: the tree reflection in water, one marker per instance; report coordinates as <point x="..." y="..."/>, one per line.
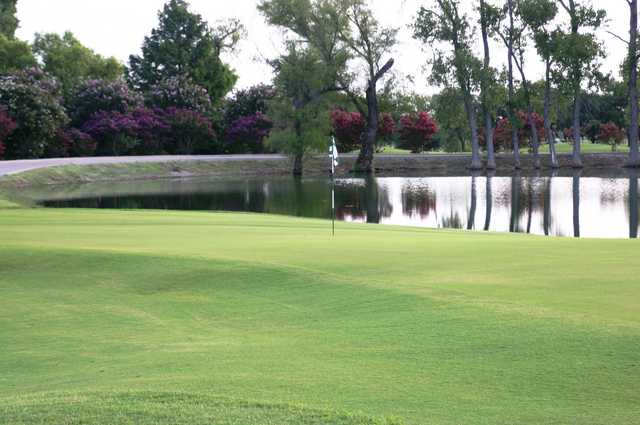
<point x="579" y="206"/>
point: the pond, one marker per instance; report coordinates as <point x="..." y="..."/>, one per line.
<point x="556" y="206"/>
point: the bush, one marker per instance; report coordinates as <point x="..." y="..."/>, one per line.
<point x="180" y="92"/>
<point x="31" y="99"/>
<point x="100" y="95"/>
<point x="7" y="126"/>
<point x="611" y="134"/>
<point x="189" y="132"/>
<point x="247" y="102"/>
<point x="246" y="134"/>
<point x="502" y="133"/>
<point x="417" y="132"/>
<point x="347" y="129"/>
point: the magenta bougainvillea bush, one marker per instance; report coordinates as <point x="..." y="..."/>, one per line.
<point x="100" y="95"/>
<point x="7" y="126"/>
<point x="246" y="134"/>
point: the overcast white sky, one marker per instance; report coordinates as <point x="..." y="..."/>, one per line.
<point x="117" y="28"/>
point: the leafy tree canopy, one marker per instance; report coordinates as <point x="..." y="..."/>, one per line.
<point x="183" y="44"/>
<point x="14" y="55"/>
<point x="8" y="20"/>
<point x="70" y="62"/>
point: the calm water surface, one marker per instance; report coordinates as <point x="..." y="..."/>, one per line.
<point x="556" y="206"/>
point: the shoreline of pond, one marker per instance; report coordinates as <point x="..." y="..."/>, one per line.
<point x="386" y="165"/>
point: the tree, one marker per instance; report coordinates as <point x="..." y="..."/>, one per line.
<point x="31" y="98"/>
<point x="369" y="42"/>
<point x="66" y="59"/>
<point x="312" y="66"/>
<point x="188" y="132"/>
<point x="300" y="107"/>
<point x="448" y="111"/>
<point x="488" y="18"/>
<point x="444" y="23"/>
<point x="246" y="102"/>
<point x="417" y="131"/>
<point x="8" y="20"/>
<point x="183" y="44"/>
<point x="634" y="155"/>
<point x="577" y="57"/>
<point x="611" y="134"/>
<point x="15" y="55"/>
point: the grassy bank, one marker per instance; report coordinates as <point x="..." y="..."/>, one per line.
<point x="193" y="318"/>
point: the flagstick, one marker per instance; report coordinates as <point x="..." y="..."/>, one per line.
<point x="333" y="195"/>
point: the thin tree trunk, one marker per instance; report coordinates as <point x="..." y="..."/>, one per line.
<point x="576" y="161"/>
<point x="547" y="116"/>
<point x="511" y="109"/>
<point x="634" y="156"/>
<point x="486" y="109"/>
<point x="476" y="164"/>
<point x="364" y="163"/>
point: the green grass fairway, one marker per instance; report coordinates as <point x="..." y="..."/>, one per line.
<point x="143" y="317"/>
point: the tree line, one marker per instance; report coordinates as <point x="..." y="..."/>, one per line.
<point x="335" y="75"/>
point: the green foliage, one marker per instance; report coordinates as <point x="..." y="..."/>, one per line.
<point x="15" y="55"/>
<point x="448" y="111"/>
<point x="70" y="62"/>
<point x="32" y="99"/>
<point x="183" y="44"/>
<point x="8" y="19"/>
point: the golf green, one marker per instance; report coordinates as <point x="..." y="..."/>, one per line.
<point x="149" y="317"/>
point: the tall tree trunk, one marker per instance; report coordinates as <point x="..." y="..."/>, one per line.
<point x="486" y="108"/>
<point x="298" y="154"/>
<point x="634" y="156"/>
<point x="576" y="161"/>
<point x="511" y="108"/>
<point x="535" y="138"/>
<point x="547" y="115"/>
<point x="476" y="164"/>
<point x="364" y="164"/>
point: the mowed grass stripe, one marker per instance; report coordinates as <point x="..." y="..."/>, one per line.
<point x="367" y="322"/>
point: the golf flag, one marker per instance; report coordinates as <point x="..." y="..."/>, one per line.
<point x="333" y="153"/>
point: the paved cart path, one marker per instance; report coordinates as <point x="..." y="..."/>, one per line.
<point x="14" y="167"/>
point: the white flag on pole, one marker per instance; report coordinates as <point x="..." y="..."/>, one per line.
<point x="333" y="153"/>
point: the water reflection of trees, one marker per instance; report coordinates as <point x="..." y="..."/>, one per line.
<point x="632" y="203"/>
<point x="368" y="202"/>
<point x="418" y="200"/>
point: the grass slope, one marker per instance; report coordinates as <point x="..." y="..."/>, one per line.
<point x="159" y="317"/>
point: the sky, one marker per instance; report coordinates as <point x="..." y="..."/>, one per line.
<point x="118" y="27"/>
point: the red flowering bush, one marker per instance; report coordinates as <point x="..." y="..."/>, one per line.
<point x="417" y="131"/>
<point x="611" y="134"/>
<point x="7" y="126"/>
<point x="347" y="128"/>
<point x="502" y="133"/>
<point x="71" y="142"/>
